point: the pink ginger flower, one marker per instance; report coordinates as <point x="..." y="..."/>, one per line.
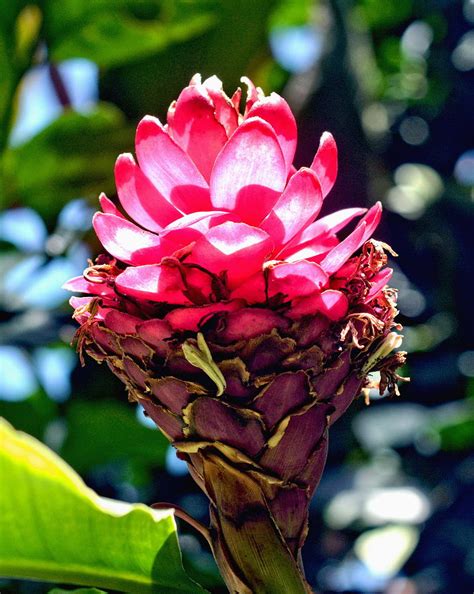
<point x="240" y="321"/>
<point x="219" y="213"/>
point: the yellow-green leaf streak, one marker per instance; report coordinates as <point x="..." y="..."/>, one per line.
<point x="201" y="357"/>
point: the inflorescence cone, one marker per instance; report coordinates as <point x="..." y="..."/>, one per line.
<point x="243" y="326"/>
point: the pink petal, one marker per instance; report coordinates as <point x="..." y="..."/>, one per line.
<point x="196" y="79"/>
<point x="226" y="111"/>
<point x="190" y="318"/>
<point x="330" y="303"/>
<point x="79" y="284"/>
<point x="342" y="252"/>
<point x="292" y="172"/>
<point x="125" y="241"/>
<point x="77" y="302"/>
<point x="253" y="290"/>
<point x="249" y="172"/>
<point x="296" y="279"/>
<point x="253" y="93"/>
<point x="331" y="223"/>
<point x="313" y="251"/>
<point x="199" y="285"/>
<point x="325" y="162"/>
<point x="276" y="111"/>
<point x="235" y="99"/>
<point x="153" y="282"/>
<point x="192" y="227"/>
<point x="297" y="206"/>
<point x="170" y="117"/>
<point x="372" y="220"/>
<point x="139" y="197"/>
<point x="108" y="207"/>
<point x="318" y="231"/>
<point x="345" y="273"/>
<point x="169" y="168"/>
<point x="378" y="283"/>
<point x="235" y="248"/>
<point x="102" y="306"/>
<point x="80" y="303"/>
<point x="196" y="129"/>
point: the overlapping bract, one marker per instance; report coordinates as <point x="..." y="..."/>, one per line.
<point x="218" y="213"/>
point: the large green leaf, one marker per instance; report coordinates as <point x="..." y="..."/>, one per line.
<point x="54" y="528"/>
<point x="72" y="157"/>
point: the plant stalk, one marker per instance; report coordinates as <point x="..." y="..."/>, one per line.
<point x="250" y="551"/>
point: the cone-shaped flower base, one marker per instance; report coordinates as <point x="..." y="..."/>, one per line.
<point x="247" y="402"/>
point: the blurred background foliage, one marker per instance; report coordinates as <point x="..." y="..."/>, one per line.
<point x="393" y="81"/>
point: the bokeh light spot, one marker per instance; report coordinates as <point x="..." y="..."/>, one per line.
<point x="296" y="48"/>
<point x="24" y="228"/>
<point x="416" y="39"/>
<point x="466" y="363"/>
<point x="17" y="380"/>
<point x="464" y="169"/>
<point x="385" y="550"/>
<point x="463" y="55"/>
<point x="414" y="130"/>
<point x="54" y="367"/>
<point x="411" y="303"/>
<point x="174" y="465"/>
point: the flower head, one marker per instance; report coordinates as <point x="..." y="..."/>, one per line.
<point x="217" y="214"/>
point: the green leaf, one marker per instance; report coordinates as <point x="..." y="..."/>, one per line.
<point x="457" y="434"/>
<point x="77" y="591"/>
<point x="102" y="432"/>
<point x="201" y="357"/>
<point x="394" y="12"/>
<point x="291" y="13"/>
<point x="111" y="33"/>
<point x="72" y="157"/>
<point x="54" y="528"/>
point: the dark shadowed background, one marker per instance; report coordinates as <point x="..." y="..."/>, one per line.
<point x="393" y="81"/>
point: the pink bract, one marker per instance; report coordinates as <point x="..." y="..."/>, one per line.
<point x="217" y="212"/>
